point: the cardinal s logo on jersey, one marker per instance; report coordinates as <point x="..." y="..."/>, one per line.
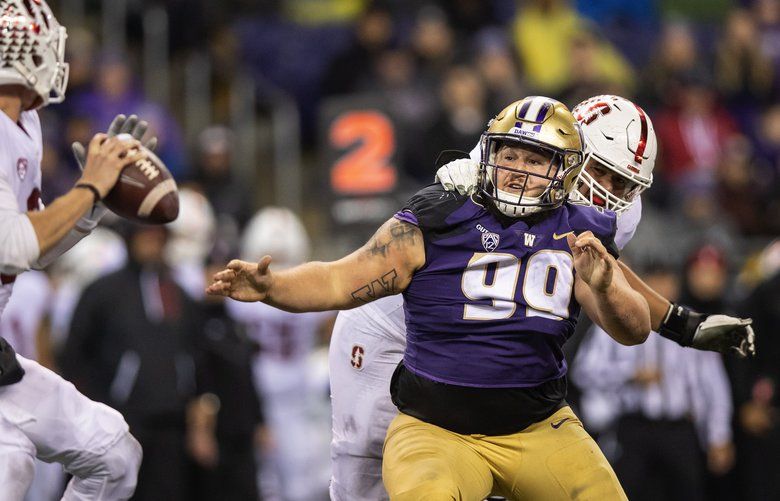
<point x="356" y="359"/>
<point x="21" y="168"/>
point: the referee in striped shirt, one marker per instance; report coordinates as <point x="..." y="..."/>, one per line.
<point x="668" y="404"/>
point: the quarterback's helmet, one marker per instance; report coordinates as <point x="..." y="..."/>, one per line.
<point x="619" y="136"/>
<point x="32" y="49"/>
<point x="278" y="232"/>
<point x="540" y="124"/>
<point x="192" y="234"/>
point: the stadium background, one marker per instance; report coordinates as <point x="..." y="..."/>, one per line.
<point x="337" y="109"/>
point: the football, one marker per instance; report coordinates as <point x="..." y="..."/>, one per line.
<point x="145" y="192"/>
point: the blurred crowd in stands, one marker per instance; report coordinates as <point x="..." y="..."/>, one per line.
<point x="706" y="71"/>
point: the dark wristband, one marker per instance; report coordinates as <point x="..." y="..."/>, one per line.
<point x="680" y="324"/>
<point x="90" y="187"/>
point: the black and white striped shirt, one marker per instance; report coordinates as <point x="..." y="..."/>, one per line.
<point x="693" y="383"/>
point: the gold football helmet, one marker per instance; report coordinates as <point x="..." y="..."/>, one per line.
<point x="541" y="125"/>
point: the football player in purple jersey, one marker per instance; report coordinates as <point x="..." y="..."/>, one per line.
<point x="493" y="284"/>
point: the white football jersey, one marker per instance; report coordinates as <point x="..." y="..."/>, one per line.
<point x="627" y="222"/>
<point x="20" y="189"/>
<point x="286" y="378"/>
<point x="279" y="334"/>
<point x="25" y="311"/>
<point x="285" y="341"/>
<point x="385" y="317"/>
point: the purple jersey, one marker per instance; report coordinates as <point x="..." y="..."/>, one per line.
<point x="494" y="302"/>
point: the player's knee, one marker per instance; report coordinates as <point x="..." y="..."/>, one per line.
<point x="427" y="493"/>
<point x="120" y="465"/>
<point x="430" y="485"/>
<point x="126" y="458"/>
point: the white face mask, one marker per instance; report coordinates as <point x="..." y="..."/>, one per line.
<point x="508" y="203"/>
<point x="512" y="204"/>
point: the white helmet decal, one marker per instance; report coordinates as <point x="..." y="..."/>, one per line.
<point x="32" y="49"/>
<point x="620" y="137"/>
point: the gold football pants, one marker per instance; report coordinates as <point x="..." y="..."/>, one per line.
<point x="554" y="459"/>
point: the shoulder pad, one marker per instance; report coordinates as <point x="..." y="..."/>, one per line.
<point x="430" y="207"/>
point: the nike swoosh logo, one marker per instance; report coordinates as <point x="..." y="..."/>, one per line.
<point x="558" y="424"/>
<point x="563" y="235"/>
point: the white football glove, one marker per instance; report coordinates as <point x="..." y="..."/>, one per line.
<point x="721" y="333"/>
<point x="726" y="334"/>
<point x="461" y="175"/>
<point x="119" y="125"/>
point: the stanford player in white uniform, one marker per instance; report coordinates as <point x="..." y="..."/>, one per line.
<point x="284" y="375"/>
<point x="368" y="342"/>
<point x="41" y="415"/>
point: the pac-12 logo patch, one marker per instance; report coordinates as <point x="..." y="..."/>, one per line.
<point x="490" y="241"/>
<point x="21" y="168"/>
<point x="356" y="358"/>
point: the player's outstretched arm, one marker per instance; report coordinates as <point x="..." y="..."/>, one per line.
<point x="382" y="267"/>
<point x="721" y="333"/>
<point x="106" y="158"/>
<point x="603" y="291"/>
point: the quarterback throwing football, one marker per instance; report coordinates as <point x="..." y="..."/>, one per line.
<point x="41" y="415"/>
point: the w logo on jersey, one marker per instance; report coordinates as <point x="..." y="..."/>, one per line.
<point x="490" y="241"/>
<point x="529" y="239"/>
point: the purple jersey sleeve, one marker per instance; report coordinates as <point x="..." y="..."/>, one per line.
<point x="602" y="223"/>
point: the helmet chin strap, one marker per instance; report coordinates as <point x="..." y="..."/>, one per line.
<point x="506" y="204"/>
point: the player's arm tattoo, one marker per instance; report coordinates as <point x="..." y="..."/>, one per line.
<point x="394" y="238"/>
<point x="396" y="234"/>
<point x="383" y="286"/>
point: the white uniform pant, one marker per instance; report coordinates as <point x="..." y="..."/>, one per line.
<point x="361" y="360"/>
<point x="44" y="416"/>
<point x="291" y="470"/>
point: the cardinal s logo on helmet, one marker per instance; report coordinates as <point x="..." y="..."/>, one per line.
<point x="619" y="137"/>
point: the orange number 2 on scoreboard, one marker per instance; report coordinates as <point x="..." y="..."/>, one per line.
<point x="365" y="169"/>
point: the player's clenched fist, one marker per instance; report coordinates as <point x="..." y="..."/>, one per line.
<point x="243" y="281"/>
<point x="106" y="157"/>
<point x="591" y="260"/>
